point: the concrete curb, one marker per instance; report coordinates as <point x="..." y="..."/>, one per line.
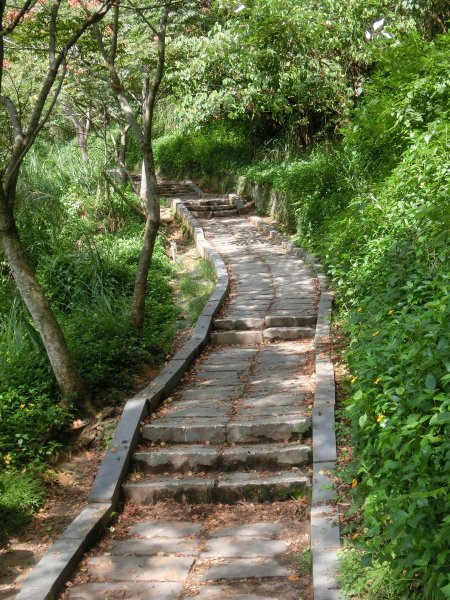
<point x="325" y="535"/>
<point x="61" y="559"/>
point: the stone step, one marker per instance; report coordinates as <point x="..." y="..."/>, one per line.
<point x="193" y="206"/>
<point x="214" y="214"/>
<point x="206" y="458"/>
<point x="249" y="323"/>
<point x="219" y="431"/>
<point x="229" y="488"/>
<point x="250" y="336"/>
<point x="211" y="202"/>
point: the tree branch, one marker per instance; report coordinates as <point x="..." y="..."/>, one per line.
<point x="150" y="100"/>
<point x="118" y="87"/>
<point x="52" y="33"/>
<point x="14" y="116"/>
<point x="123" y="196"/>
<point x="29" y="4"/>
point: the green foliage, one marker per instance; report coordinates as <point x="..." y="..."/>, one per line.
<point x="370" y="582"/>
<point x="207" y="150"/>
<point x="311" y="189"/>
<point x="196" y="288"/>
<point x="31" y="426"/>
<point x="304" y="563"/>
<point x="20" y="495"/>
<point x="294" y="64"/>
<point x="84" y="245"/>
<point x="377" y="213"/>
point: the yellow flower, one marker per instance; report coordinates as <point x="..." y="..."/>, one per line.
<point x="31" y="404"/>
<point x="380" y="418"/>
<point x="7" y="458"/>
<point x="359" y="309"/>
<point x="22" y="406"/>
<point x="391" y="312"/>
<point x="377" y="380"/>
<point x="375" y="333"/>
<point x="355" y="536"/>
<point x="354" y="483"/>
<point x="354" y="378"/>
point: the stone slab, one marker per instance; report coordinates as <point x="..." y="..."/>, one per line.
<point x="288" y="333"/>
<point x="244" y="568"/>
<point x="272" y="400"/>
<point x="177" y="411"/>
<point x="128" y="591"/>
<point x="191" y="489"/>
<point x="260" y="488"/>
<point x="259" y="529"/>
<point x="266" y="455"/>
<point x="106" y="486"/>
<point x="230" y="338"/>
<point x="325" y="545"/>
<point x="211" y="393"/>
<point x="150" y="547"/>
<point x="270" y="429"/>
<point x="236" y="547"/>
<point x="180" y="458"/>
<point x="165" y="529"/>
<point x="323" y="489"/>
<point x="141" y="568"/>
<point x="185" y="431"/>
<point x="52" y="570"/>
<point x="238" y="324"/>
<point x="88" y="523"/>
<point x="288" y="321"/>
<point x="324" y="435"/>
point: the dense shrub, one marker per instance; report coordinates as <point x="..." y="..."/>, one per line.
<point x="207" y="150"/>
<point x="377" y="213"/>
<point x="84" y="244"/>
<point x="20" y="495"/>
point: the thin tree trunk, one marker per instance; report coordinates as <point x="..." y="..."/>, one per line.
<point x="123" y="151"/>
<point x="81" y="126"/>
<point x="69" y="382"/>
<point x="150" y="205"/>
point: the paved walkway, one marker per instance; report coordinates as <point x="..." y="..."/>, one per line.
<point x="217" y="502"/>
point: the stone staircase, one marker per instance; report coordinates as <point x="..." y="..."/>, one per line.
<point x="211" y="208"/>
<point x="200" y="204"/>
<point x="239" y="425"/>
<point x="224" y="437"/>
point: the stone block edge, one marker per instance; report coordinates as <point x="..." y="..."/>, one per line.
<point x="324" y="562"/>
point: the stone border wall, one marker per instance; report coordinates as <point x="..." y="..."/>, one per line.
<point x="61" y="559"/>
<point x="325" y="535"/>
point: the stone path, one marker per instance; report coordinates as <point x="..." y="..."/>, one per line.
<point x="234" y="440"/>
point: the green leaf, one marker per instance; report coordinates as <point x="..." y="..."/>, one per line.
<point x="440" y="418"/>
<point x="362" y="420"/>
<point x="430" y="382"/>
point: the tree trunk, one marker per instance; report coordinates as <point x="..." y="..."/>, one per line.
<point x="150" y="205"/>
<point x="69" y="382"/>
<point x="81" y="126"/>
<point x="123" y="152"/>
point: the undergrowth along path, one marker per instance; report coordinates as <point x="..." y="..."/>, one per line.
<point x="217" y="503"/>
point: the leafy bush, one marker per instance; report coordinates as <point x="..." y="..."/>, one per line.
<point x="377" y="213"/>
<point x="20" y="495"/>
<point x="208" y="150"/>
<point x="31" y="426"/>
<point x="84" y="245"/>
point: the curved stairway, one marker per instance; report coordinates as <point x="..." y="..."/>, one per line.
<point x="236" y="432"/>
